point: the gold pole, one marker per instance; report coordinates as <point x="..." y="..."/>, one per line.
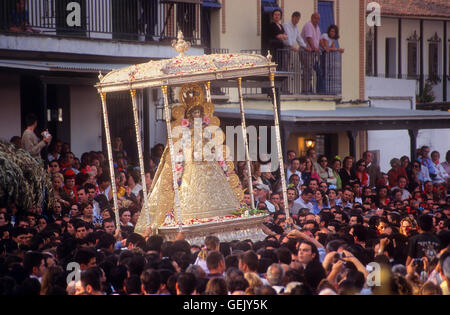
<point x="208" y="91"/>
<point x="244" y="136"/>
<point x="278" y="138"/>
<point x="110" y="158"/>
<point x="141" y="156"/>
<point x="172" y="157"/>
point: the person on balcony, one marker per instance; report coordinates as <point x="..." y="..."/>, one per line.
<point x="328" y="62"/>
<point x="329" y="40"/>
<point x="19" y="18"/>
<point x="311" y="35"/>
<point x="277" y="34"/>
<point x="291" y="29"/>
<point x="311" y="32"/>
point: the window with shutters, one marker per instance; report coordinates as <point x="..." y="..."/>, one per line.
<point x="412" y="60"/>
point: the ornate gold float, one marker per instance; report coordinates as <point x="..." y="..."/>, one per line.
<point x="195" y="195"/>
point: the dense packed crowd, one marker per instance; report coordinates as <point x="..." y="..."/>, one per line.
<point x="351" y="229"/>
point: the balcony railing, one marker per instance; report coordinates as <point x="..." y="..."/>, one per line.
<point x="305" y="73"/>
<point x="310" y="73"/>
<point x="153" y="20"/>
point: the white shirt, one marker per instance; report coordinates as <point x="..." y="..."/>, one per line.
<point x="441" y="174"/>
<point x="329" y="40"/>
<point x="135" y="191"/>
<point x="293" y="35"/>
<point x="50" y="157"/>
<point x="202" y="263"/>
<point x="309" y="30"/>
<point x="405" y="193"/>
<point x="303" y="205"/>
<point x="289" y="174"/>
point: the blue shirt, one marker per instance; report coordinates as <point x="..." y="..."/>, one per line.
<point x="429" y="164"/>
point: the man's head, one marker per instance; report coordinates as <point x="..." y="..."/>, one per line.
<point x="296" y="16"/>
<point x="313" y="184"/>
<point x="34" y="264"/>
<point x="31" y="120"/>
<point x="212" y="243"/>
<point x="90" y="191"/>
<point x="290" y="155"/>
<point x="150" y="281"/>
<point x="86" y="257"/>
<point x="91" y="281"/>
<point x="347" y="195"/>
<point x="275" y="274"/>
<point x="294" y="180"/>
<point x="307" y="252"/>
<point x="291" y="194"/>
<point x="425" y="223"/>
<point x="248" y="262"/>
<point x="356" y="219"/>
<point x="20" y="236"/>
<point x="104" y="181"/>
<point x="368" y="157"/>
<point x="109" y="226"/>
<point x="312" y="153"/>
<point x="315" y="19"/>
<point x="80" y="230"/>
<point x="307" y="194"/>
<point x="295" y="164"/>
<point x="82" y="195"/>
<point x="275" y="199"/>
<point x="186" y="284"/>
<point x="215" y="262"/>
<point x="425" y="150"/>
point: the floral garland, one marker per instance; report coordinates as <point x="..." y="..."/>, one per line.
<point x="170" y="220"/>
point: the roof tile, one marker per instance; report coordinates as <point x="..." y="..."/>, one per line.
<point x="417" y="8"/>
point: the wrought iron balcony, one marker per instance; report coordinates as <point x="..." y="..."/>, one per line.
<point x="136" y="20"/>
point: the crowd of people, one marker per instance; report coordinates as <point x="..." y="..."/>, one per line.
<point x="348" y="229"/>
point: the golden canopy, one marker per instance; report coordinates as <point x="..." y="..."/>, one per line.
<point x="186" y="69"/>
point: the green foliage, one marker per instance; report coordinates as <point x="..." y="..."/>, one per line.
<point x="23" y="178"/>
<point x="427" y="93"/>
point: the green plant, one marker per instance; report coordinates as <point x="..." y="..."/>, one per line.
<point x="427" y="95"/>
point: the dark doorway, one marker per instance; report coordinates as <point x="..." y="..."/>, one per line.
<point x="31" y="96"/>
<point x="58" y="112"/>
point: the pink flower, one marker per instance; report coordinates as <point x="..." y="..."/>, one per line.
<point x="222" y="163"/>
<point x="206" y="120"/>
<point x="185" y="123"/>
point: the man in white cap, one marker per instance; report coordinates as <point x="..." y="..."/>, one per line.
<point x="266" y="176"/>
<point x="261" y="195"/>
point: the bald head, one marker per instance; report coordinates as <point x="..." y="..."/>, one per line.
<point x="315" y="19"/>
